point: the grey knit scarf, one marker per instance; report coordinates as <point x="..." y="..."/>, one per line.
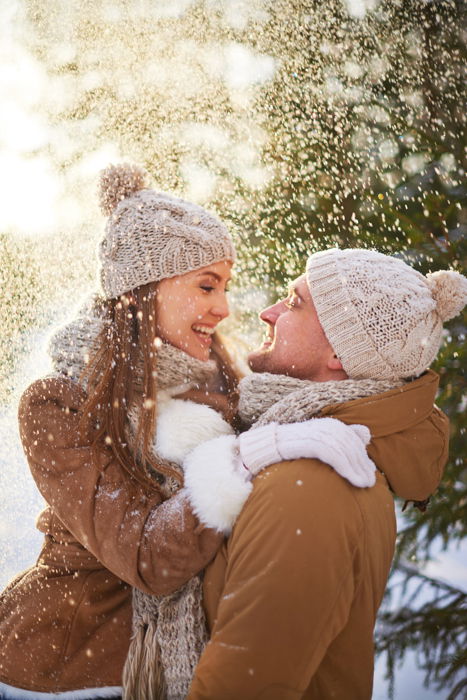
<point x="275" y="398"/>
<point x="169" y="632"/>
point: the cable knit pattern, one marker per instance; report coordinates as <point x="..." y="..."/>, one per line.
<point x="382" y="318"/>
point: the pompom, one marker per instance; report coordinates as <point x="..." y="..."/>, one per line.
<point x="117" y="182"/>
<point x="449" y="290"/>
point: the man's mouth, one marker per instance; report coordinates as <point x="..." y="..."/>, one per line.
<point x="268" y="340"/>
<point x="203" y="333"/>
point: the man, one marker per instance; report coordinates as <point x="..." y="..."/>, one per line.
<point x="292" y="597"/>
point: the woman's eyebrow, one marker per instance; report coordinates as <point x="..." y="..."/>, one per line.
<point x="217" y="277"/>
<point x="209" y="274"/>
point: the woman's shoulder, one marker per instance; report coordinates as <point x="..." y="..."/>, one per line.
<point x="55" y="388"/>
<point x="48" y="415"/>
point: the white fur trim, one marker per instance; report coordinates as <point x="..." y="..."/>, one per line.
<point x="217" y="483"/>
<point x="8" y="692"/>
<point x="183" y="425"/>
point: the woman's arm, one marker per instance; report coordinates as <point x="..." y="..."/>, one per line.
<point x="225" y="466"/>
<point x="153" y="545"/>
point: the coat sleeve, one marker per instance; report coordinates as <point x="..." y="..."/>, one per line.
<point x="153" y="545"/>
<point x="290" y="577"/>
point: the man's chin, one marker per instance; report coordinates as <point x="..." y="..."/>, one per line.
<point x="262" y="360"/>
<point x="256" y="360"/>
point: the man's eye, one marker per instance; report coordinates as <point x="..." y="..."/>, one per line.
<point x="291" y="304"/>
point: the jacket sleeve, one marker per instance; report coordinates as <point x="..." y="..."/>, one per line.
<point x="153" y="545"/>
<point x="289" y="584"/>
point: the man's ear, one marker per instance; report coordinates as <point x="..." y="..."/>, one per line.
<point x="334" y="363"/>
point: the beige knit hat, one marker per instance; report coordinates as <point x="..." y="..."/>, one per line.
<point x="151" y="235"/>
<point x="383" y="319"/>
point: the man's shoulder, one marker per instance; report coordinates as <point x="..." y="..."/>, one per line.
<point x="306" y="500"/>
<point x="391" y="411"/>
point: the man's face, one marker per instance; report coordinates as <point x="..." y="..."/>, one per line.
<point x="296" y="344"/>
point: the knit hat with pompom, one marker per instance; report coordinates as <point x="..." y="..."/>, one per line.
<point x="152" y="235"/>
<point x="383" y="319"/>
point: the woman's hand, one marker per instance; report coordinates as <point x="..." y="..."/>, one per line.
<point x="183" y="425"/>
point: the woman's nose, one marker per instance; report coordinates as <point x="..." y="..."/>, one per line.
<point x="220" y="307"/>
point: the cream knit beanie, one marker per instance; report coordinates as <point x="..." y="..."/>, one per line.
<point x="151" y="235"/>
<point x="383" y="319"/>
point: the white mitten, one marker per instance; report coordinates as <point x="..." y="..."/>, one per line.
<point x="216" y="482"/>
<point x="341" y="446"/>
<point x="182" y="425"/>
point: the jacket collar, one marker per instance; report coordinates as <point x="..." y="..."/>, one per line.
<point x="392" y="411"/>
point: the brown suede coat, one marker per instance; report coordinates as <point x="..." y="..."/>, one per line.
<point x="65" y="623"/>
<point x="292" y="596"/>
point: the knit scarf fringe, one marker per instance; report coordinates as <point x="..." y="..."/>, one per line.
<point x="143" y="675"/>
<point x="168" y="640"/>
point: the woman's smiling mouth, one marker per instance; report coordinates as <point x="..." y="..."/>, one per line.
<point x="204" y="333"/>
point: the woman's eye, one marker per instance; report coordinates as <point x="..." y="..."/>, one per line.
<point x="207" y="287"/>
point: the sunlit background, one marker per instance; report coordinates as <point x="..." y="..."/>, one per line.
<point x="302" y="124"/>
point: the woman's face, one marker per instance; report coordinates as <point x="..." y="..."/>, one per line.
<point x="190" y="306"/>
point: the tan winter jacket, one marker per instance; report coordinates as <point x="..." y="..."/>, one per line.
<point x="65" y="623"/>
<point x="292" y="596"/>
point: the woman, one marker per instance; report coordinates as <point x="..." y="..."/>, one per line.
<point x="99" y="438"/>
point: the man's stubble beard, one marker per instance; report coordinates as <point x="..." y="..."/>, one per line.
<point x="258" y="361"/>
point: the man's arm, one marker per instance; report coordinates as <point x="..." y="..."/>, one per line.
<point x="289" y="585"/>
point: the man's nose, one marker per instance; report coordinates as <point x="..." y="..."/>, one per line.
<point x="272" y="313"/>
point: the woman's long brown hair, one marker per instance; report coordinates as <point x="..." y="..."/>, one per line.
<point x="115" y="381"/>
